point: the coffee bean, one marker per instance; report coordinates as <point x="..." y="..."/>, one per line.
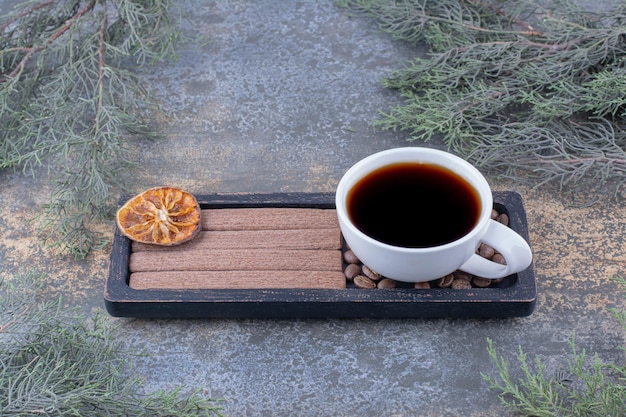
<point x="461" y="284"/>
<point x="503" y="218"/>
<point x="361" y="281"/>
<point x="462" y="275"/>
<point x="350" y="257"/>
<point x="494" y="214"/>
<point x="481" y="282"/>
<point x="486" y="251"/>
<point x="352" y="271"/>
<point x="386" y="283"/>
<point x="422" y="285"/>
<point x="445" y="282"/>
<point x="499" y="259"/>
<point x="370" y="273"/>
<point x="456" y="280"/>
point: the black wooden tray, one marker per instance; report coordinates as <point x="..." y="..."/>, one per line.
<point x="515" y="296"/>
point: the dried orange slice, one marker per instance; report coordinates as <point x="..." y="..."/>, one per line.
<point x="162" y="216"/>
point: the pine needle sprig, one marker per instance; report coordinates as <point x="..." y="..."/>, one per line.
<point x="69" y="98"/>
<point x="585" y="386"/>
<point x="529" y="92"/>
<point x="55" y="362"/>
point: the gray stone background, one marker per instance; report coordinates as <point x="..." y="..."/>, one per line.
<point x="281" y="97"/>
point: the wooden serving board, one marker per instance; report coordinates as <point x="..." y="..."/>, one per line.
<point x="280" y="255"/>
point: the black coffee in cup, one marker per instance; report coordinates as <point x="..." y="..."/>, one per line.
<point x="413" y="205"/>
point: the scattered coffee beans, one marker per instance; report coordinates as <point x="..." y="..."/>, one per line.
<point x="461" y="284"/>
<point x="445" y="282"/>
<point x="350" y="257"/>
<point x="351" y="271"/>
<point x="370" y="273"/>
<point x="461" y="275"/>
<point x="361" y="281"/>
<point x="386" y="283"/>
<point x="503" y="218"/>
<point x="498" y="258"/>
<point x="486" y="251"/>
<point x="481" y="282"/>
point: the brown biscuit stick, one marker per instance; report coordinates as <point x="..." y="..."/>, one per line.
<point x="268" y="218"/>
<point x="199" y="280"/>
<point x="236" y="260"/>
<point x="233" y="239"/>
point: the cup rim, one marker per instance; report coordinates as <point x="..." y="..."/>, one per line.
<point x="486" y="198"/>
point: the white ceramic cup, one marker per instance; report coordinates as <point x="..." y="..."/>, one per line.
<point x="425" y="264"/>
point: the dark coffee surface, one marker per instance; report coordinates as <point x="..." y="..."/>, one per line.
<point x="414" y="205"/>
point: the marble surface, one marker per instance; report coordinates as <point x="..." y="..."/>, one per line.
<point x="281" y="96"/>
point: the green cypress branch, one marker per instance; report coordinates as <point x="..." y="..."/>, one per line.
<point x="528" y="92"/>
<point x="55" y="362"/>
<point x="68" y="98"/>
<point x="587" y="386"/>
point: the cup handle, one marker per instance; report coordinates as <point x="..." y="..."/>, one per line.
<point x="511" y="245"/>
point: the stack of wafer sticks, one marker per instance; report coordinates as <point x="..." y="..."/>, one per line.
<point x="247" y="248"/>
